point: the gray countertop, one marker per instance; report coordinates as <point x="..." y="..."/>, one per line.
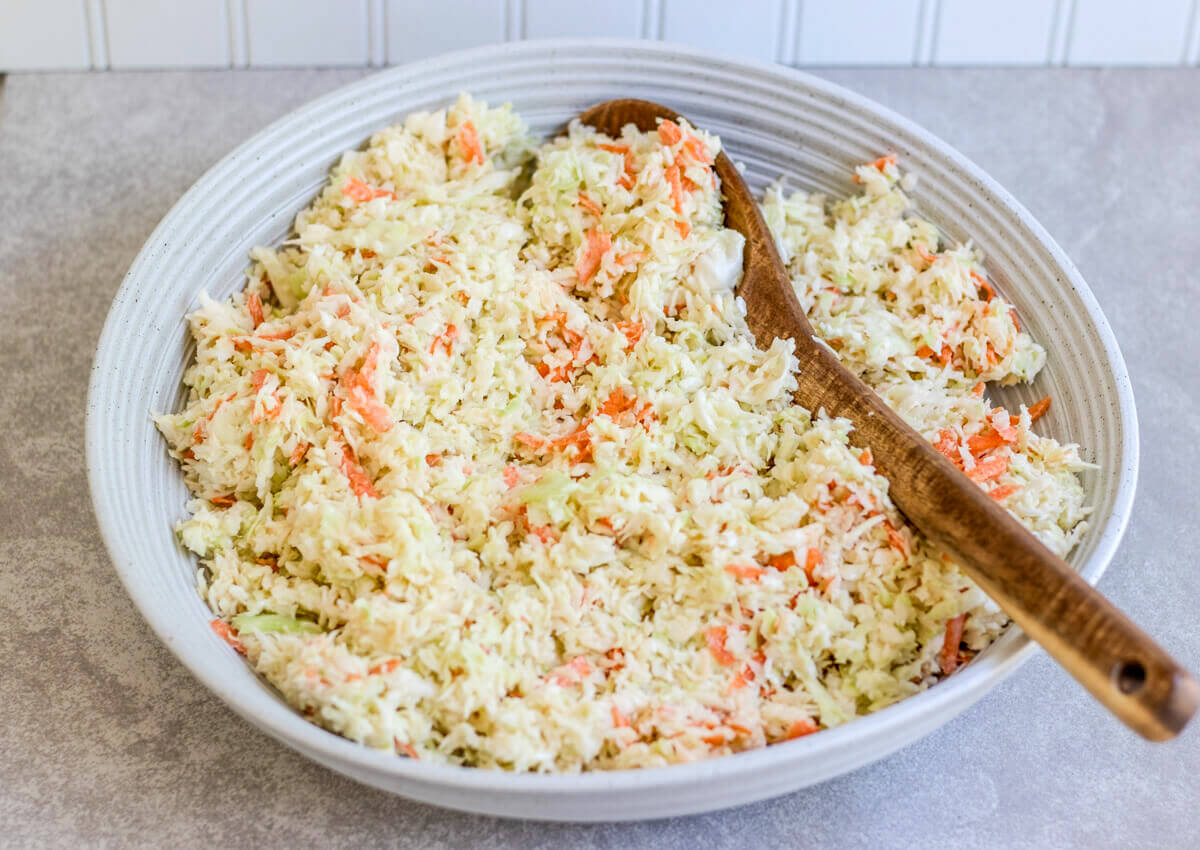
<point x="106" y="740"/>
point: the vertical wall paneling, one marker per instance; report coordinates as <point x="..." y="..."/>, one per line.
<point x="785" y="45"/>
<point x="858" y="32"/>
<point x="583" y="18"/>
<point x="1015" y="32"/>
<point x="97" y="36"/>
<point x="415" y="31"/>
<point x="102" y="34"/>
<point x="1193" y="49"/>
<point x="926" y="36"/>
<point x="151" y="34"/>
<point x="752" y="32"/>
<point x="652" y="13"/>
<point x="1060" y="35"/>
<point x="239" y="38"/>
<point x="43" y="34"/>
<point x="1116" y="32"/>
<point x="376" y="33"/>
<point x="514" y="25"/>
<point x="289" y="33"/>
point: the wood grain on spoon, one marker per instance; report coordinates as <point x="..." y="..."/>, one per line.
<point x="1097" y="644"/>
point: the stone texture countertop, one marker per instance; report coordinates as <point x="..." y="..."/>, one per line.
<point x="105" y="740"/>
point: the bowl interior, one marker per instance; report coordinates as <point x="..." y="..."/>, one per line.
<point x="782" y="125"/>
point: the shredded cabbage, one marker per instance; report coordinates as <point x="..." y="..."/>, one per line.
<point x="488" y="470"/>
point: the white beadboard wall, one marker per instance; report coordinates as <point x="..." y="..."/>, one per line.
<point x="40" y="35"/>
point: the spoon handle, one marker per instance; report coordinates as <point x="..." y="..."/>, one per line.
<point x="1097" y="644"/>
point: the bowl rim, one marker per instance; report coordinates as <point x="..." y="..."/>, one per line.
<point x="1012" y="649"/>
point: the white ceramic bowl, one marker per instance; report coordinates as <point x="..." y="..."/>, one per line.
<point x="779" y="123"/>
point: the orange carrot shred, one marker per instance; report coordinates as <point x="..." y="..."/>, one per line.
<point x="984" y="285"/>
<point x="227" y="634"/>
<point x="590" y="205"/>
<point x="357" y="190"/>
<point x="669" y="132"/>
<point x="715" y="638"/>
<point x="1038" y="408"/>
<point x="989" y="468"/>
<point x="1003" y="492"/>
<point x="468" y="141"/>
<point x="783" y="561"/>
<point x="801" y="728"/>
<point x="632" y="330"/>
<point x="948" y="657"/>
<point x="745" y="571"/>
<point x="254" y="306"/>
<point x="597" y="243"/>
<point x="618" y="718"/>
<point x="812" y="559"/>
<point x="866" y="458"/>
<point x="298" y="453"/>
<point x="511" y="477"/>
<point x="672" y="174"/>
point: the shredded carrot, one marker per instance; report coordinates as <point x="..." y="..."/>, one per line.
<point x="684" y="228"/>
<point x="989" y="468"/>
<point x="984" y="285"/>
<point x="254" y="306"/>
<point x="298" y="453"/>
<point x="925" y="352"/>
<point x="895" y="538"/>
<point x="745" y="571"/>
<point x="947" y="354"/>
<point x="977" y="390"/>
<point x="990" y="439"/>
<point x="445" y="340"/>
<point x="433" y="459"/>
<point x="925" y="255"/>
<point x="669" y="132"/>
<point x="288" y="333"/>
<point x="408" y="750"/>
<point x="1038" y="408"/>
<point x="1012" y="311"/>
<point x="248" y="442"/>
<point x="632" y="258"/>
<point x="468" y="141"/>
<point x="590" y="205"/>
<point x="511" y="477"/>
<point x="948" y="657"/>
<point x="1003" y="492"/>
<point x="529" y="440"/>
<point x="222" y="501"/>
<point x="812" y="559"/>
<point x="618" y="718"/>
<point x="992" y="359"/>
<point x="697" y="150"/>
<point x="866" y="458"/>
<point x="543" y="533"/>
<point x="384" y="667"/>
<point x="633" y="331"/>
<point x="801" y="728"/>
<point x="359" y="191"/>
<point x="225" y="633"/>
<point x="616" y="404"/>
<point x="783" y="561"/>
<point x="580" y="665"/>
<point x="360" y="481"/>
<point x="628" y="178"/>
<point x="597" y="244"/>
<point x="672" y="174"/>
<point x="715" y="636"/>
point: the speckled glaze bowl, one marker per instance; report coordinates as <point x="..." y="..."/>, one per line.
<point x="780" y="123"/>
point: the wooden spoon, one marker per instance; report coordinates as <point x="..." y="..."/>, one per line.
<point x="1097" y="644"/>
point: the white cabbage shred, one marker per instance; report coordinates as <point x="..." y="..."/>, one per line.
<point x="487" y="469"/>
